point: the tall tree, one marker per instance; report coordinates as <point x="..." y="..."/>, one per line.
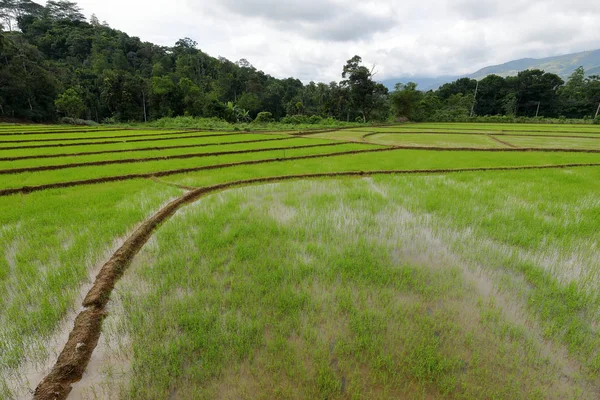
<point x="405" y="100"/>
<point x="365" y="93"/>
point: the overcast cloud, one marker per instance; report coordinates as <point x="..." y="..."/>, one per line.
<point x="312" y="39"/>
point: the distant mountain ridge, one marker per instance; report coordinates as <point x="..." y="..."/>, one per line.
<point x="562" y="65"/>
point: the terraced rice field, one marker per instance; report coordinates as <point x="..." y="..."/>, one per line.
<point x="409" y="261"/>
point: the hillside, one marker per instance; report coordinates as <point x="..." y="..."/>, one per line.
<point x="562" y="65"/>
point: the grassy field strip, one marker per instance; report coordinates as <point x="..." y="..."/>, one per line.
<point x="124" y="140"/>
<point x="390" y="158"/>
<point x="156" y="150"/>
<point x="545" y="142"/>
<point x="48" y="246"/>
<point x="502" y="142"/>
<point x="122" y="147"/>
<point x="109" y="135"/>
<point x="95" y="181"/>
<point x="447" y="132"/>
<point x="386" y="160"/>
<point x="87" y="325"/>
<point x="177" y="156"/>
<point x="35" y="181"/>
<point x="289" y="141"/>
<point x="500" y="127"/>
<point x="49" y="133"/>
<point x="441" y="140"/>
<point x="332" y="249"/>
<point x="54" y="130"/>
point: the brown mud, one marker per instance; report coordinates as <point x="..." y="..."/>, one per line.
<point x="502" y="142"/>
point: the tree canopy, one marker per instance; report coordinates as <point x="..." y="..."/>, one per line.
<point x="54" y="63"/>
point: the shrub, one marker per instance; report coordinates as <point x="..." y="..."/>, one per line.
<point x="263" y="117"/>
<point x="315" y="119"/>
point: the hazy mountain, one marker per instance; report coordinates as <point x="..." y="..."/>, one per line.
<point x="563" y="66"/>
<point x="423" y="82"/>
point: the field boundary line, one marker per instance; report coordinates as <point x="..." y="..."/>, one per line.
<point x="415" y="126"/>
<point x="91" y="181"/>
<point x="120" y="141"/>
<point x="172" y="184"/>
<point x="502" y="142"/>
<point x="83" y="339"/>
<point x="52" y="132"/>
<point x="184" y="146"/>
<point x="371" y="133"/>
<point x="158" y="158"/>
<point x="71" y="139"/>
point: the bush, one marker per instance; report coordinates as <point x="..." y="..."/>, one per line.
<point x="263" y="117"/>
<point x="295" y="119"/>
<point x="315" y="119"/>
<point x="77" y="121"/>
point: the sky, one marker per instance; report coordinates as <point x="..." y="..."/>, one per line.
<point x="312" y="39"/>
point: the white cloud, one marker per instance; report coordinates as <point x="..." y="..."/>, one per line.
<point x="312" y="39"/>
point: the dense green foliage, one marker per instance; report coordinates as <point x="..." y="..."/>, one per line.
<point x="530" y="94"/>
<point x="55" y="64"/>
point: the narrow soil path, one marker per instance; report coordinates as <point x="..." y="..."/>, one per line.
<point x="586" y="131"/>
<point x="92" y="181"/>
<point x="83" y="339"/>
<point x="121" y="141"/>
<point x="163" y="158"/>
<point x="93" y="153"/>
<point x="70" y="139"/>
<point x="502" y="142"/>
<point x="61" y="131"/>
<point x="369" y="133"/>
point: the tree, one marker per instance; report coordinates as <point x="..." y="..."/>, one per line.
<point x="573" y="96"/>
<point x="64" y="10"/>
<point x="70" y="104"/>
<point x="535" y="87"/>
<point x="405" y="100"/>
<point x="462" y="85"/>
<point x="11" y="11"/>
<point x="365" y="94"/>
<point x="490" y="95"/>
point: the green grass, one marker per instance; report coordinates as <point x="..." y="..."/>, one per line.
<point x="161" y="153"/>
<point x="562" y="143"/>
<point x="468" y="128"/>
<point x="506" y="127"/>
<point x="134" y="145"/>
<point x="372" y="288"/>
<point x="470" y="285"/>
<point x="49" y="244"/>
<point x="435" y="140"/>
<point x="16" y="128"/>
<point x="392" y="160"/>
<point x="91" y="172"/>
<point x="51" y="137"/>
<point x="57" y="140"/>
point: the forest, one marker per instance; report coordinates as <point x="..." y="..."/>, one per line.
<point x="54" y="64"/>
